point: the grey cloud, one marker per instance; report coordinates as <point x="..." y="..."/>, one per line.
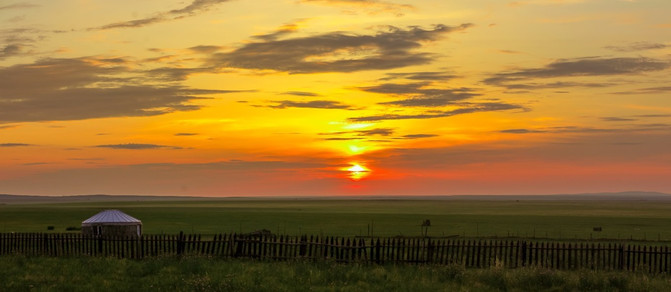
<point x="186" y="134"/>
<point x="588" y="130"/>
<point x="300" y="93"/>
<point x="379" y="131"/>
<point x="75" y="89"/>
<point x="341" y="139"/>
<point x="133" y="23"/>
<point x="372" y="6"/>
<point x="337" y="51"/>
<point x="423" y="76"/>
<point x="649" y="90"/>
<point x="18" y="6"/>
<point x="18" y="42"/>
<point x="655" y="116"/>
<point x="418" y="136"/>
<point x="420" y="96"/>
<point x="197" y="6"/>
<point x="558" y="84"/>
<point x="10" y="51"/>
<point x="134" y="146"/>
<point x="596" y="66"/>
<point x="638" y="46"/>
<point x="469" y="108"/>
<point x="14" y="144"/>
<point x="520" y="131"/>
<point x="205" y="49"/>
<point x="363" y="133"/>
<point x="280" y="32"/>
<point x="319" y="104"/>
<point x="617" y="119"/>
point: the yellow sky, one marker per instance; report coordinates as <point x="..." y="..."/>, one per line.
<point x="334" y="97"/>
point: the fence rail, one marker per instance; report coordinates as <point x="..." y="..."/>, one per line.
<point x="469" y="253"/>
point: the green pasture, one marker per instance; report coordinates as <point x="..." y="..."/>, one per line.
<point x="623" y="220"/>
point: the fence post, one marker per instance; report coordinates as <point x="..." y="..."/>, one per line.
<point x="180" y="243"/>
<point x="377" y="251"/>
<point x="100" y="244"/>
<point x="239" y="245"/>
<point x="524" y="253"/>
<point x="621" y="258"/>
<point x="303" y="246"/>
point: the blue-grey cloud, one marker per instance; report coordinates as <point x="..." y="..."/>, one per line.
<point x="186" y="134"/>
<point x="418" y="136"/>
<point x="369" y="6"/>
<point x="617" y="119"/>
<point x="18" y="6"/>
<point x="197" y="6"/>
<point x="595" y="66"/>
<point x="136" y="146"/>
<point x="337" y="51"/>
<point x="637" y="46"/>
<point x="14" y="144"/>
<point x="420" y="94"/>
<point x="421" y="76"/>
<point x="466" y="109"/>
<point x="69" y="89"/>
<point x="300" y="93"/>
<point x="317" y="104"/>
<point x="648" y="90"/>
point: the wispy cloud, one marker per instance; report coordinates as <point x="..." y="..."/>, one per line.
<point x="466" y="109"/>
<point x="18" y="6"/>
<point x="300" y="93"/>
<point x="14" y="144"/>
<point x="337" y="51"/>
<point x="317" y="104"/>
<point x="85" y="88"/>
<point x="638" y="46"/>
<point x="418" y="136"/>
<point x="596" y="66"/>
<point x="648" y="90"/>
<point x="421" y="94"/>
<point x="369" y="6"/>
<point x="362" y="133"/>
<point x="197" y="6"/>
<point x="134" y="146"/>
<point x="422" y="76"/>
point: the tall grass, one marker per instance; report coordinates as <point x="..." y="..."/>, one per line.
<point x="19" y="273"/>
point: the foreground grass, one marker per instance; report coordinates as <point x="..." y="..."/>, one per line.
<point x="18" y="273"/>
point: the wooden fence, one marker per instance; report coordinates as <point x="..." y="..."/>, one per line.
<point x="469" y="253"/>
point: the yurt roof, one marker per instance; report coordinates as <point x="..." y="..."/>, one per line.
<point x="111" y="217"/>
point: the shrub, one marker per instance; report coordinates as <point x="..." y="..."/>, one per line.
<point x="50" y="227"/>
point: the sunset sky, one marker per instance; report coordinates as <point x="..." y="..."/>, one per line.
<point x="334" y="97"/>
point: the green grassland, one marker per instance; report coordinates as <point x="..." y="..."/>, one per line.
<point x="19" y="273"/>
<point x="622" y="220"/>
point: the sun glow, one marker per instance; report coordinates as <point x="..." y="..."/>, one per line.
<point x="357" y="172"/>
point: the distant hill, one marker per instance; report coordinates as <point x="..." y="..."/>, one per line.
<point x="21" y="199"/>
<point x="620" y="196"/>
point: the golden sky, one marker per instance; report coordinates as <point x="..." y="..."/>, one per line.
<point x="334" y="97"/>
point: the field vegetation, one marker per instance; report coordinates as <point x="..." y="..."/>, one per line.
<point x="619" y="220"/>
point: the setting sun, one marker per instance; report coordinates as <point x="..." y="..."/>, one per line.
<point x="357" y="172"/>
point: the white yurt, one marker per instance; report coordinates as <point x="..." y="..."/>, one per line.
<point x="112" y="223"/>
